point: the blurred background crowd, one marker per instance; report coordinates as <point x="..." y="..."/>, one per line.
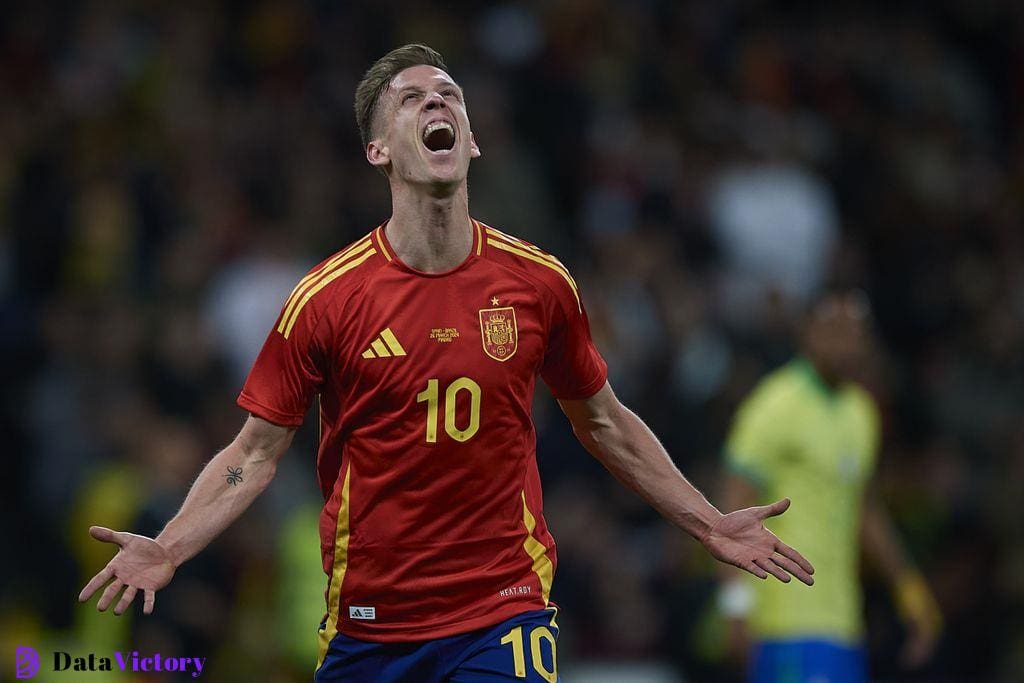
<point x="168" y="171"/>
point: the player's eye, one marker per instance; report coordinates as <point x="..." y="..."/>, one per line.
<point x="408" y="97"/>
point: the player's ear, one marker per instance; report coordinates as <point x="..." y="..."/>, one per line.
<point x="474" y="149"/>
<point x="377" y="153"/>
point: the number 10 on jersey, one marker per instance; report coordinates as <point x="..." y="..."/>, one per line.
<point x="432" y="395"/>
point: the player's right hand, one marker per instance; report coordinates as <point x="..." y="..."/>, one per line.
<point x="140" y="564"/>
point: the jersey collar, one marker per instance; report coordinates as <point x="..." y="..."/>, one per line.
<point x="380" y="238"/>
<point x="806" y="368"/>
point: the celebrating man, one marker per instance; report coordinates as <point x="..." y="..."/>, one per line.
<point x="422" y="341"/>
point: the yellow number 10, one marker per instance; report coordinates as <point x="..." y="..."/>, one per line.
<point x="430" y="396"/>
<point x="515" y="639"/>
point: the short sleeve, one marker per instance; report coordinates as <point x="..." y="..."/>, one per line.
<point x="755" y="442"/>
<point x="872" y="426"/>
<point x="290" y="368"/>
<point x="573" y="368"/>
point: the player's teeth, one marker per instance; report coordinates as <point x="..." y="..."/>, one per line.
<point x="437" y="125"/>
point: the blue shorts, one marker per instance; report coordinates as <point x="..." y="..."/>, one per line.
<point x="521" y="649"/>
<point x="806" y="661"/>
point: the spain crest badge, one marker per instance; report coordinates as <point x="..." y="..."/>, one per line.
<point x="498" y="332"/>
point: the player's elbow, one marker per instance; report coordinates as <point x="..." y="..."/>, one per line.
<point x="257" y="469"/>
<point x="258" y="461"/>
<point x="266" y="473"/>
<point x="603" y="439"/>
<point x="263" y="442"/>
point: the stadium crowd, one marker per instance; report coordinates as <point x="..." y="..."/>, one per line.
<point x="169" y="171"/>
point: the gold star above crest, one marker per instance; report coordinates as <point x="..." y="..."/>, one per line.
<point x="494" y="301"/>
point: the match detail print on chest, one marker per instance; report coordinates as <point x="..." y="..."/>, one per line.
<point x="492" y="329"/>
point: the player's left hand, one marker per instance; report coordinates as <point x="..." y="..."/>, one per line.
<point x="920" y="613"/>
<point x="740" y="539"/>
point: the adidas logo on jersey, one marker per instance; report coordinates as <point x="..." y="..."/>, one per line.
<point x="384" y="346"/>
<point x="365" y="613"/>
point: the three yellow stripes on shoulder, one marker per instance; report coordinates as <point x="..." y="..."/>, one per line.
<point x="317" y="280"/>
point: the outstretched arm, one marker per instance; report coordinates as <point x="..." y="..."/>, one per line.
<point x="225" y="488"/>
<point x="629" y="450"/>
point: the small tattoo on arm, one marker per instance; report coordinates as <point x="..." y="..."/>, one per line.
<point x="234" y="475"/>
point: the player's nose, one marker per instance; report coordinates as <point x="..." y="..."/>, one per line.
<point x="435" y="100"/>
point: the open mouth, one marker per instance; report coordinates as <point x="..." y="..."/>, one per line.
<point x="439" y="136"/>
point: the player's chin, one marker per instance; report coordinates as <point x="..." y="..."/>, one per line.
<point x="445" y="170"/>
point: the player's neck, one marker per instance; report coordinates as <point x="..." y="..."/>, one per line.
<point x="828" y="380"/>
<point x="431" y="234"/>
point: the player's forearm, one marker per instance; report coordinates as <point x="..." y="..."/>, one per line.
<point x="880" y="542"/>
<point x="225" y="488"/>
<point x="630" y="451"/>
<point x="913" y="599"/>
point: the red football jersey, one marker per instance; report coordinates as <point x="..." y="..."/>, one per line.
<point x="432" y="521"/>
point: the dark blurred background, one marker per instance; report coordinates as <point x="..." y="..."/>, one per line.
<point x="168" y="172"/>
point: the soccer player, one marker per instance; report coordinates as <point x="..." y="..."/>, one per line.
<point x="809" y="430"/>
<point x="422" y="341"/>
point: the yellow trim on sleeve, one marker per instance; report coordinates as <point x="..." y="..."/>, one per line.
<point x="542" y="566"/>
<point x="515" y="241"/>
<point x="553" y="265"/>
<point x="341" y="536"/>
<point x="308" y="281"/>
<point x="289" y="323"/>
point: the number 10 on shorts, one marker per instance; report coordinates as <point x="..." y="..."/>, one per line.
<point x="537" y="634"/>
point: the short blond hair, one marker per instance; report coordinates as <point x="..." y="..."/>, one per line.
<point x="378" y="77"/>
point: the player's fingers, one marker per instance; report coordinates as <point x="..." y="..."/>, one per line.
<point x="126" y="600"/>
<point x="793" y="568"/>
<point x="148" y="600"/>
<point x="791" y="553"/>
<point x="101" y="578"/>
<point x="773" y="569"/>
<point x="776" y="508"/>
<point x="102" y="533"/>
<point x="755" y="570"/>
<point x="109" y="594"/>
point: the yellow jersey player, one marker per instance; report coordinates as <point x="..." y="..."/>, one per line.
<point x="809" y="430"/>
